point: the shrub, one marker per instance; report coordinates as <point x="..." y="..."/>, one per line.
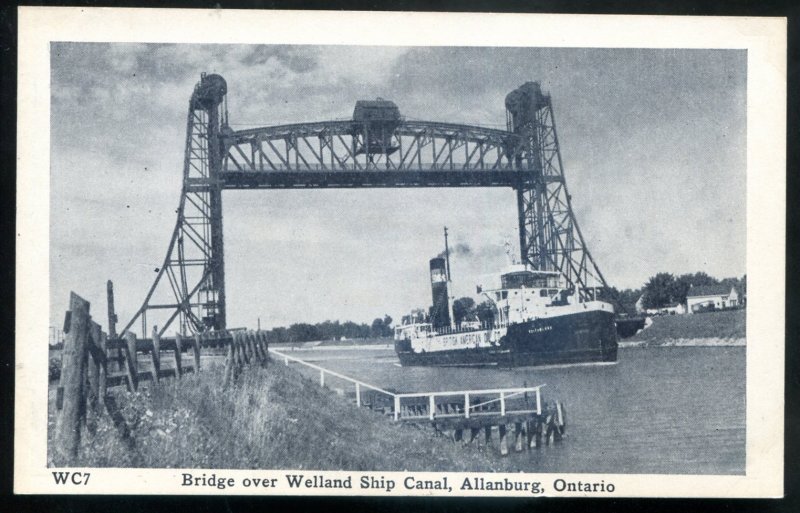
<point x="55" y="369"/>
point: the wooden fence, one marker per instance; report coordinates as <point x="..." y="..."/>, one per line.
<point x="92" y="361"/>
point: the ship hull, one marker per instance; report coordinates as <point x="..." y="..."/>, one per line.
<point x="582" y="337"/>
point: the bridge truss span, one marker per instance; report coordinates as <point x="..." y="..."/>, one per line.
<point x="343" y="154"/>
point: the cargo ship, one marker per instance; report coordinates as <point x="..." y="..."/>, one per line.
<point x="538" y="320"/>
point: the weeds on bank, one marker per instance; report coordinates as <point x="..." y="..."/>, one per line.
<point x="272" y="418"/>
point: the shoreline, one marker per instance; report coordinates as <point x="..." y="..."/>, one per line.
<point x="687" y="342"/>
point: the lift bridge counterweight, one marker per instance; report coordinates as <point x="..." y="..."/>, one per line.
<point x="375" y="149"/>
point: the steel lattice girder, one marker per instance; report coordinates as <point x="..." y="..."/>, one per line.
<point x="326" y="154"/>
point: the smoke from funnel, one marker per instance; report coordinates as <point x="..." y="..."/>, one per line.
<point x="459" y="249"/>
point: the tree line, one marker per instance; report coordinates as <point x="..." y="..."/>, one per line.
<point x="330" y="330"/>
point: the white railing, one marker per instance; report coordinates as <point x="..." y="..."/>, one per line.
<point x="323" y="372"/>
<point x="484" y="326"/>
<point x="467" y="409"/>
<point x="448" y="399"/>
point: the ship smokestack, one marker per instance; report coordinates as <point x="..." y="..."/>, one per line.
<point x="440" y="313"/>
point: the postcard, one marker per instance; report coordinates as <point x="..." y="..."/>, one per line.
<point x="399" y="254"/>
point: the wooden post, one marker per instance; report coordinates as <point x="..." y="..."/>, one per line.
<point x="243" y="346"/>
<point x="264" y="345"/>
<point x="93" y="365"/>
<point x="321" y="378"/>
<point x="67" y="435"/>
<point x="396" y="407"/>
<point x="237" y="341"/>
<point x="432" y="406"/>
<point x="112" y="322"/>
<point x="235" y="344"/>
<point x="112" y="316"/>
<point x="101" y="382"/>
<point x="518" y="436"/>
<point x="487" y="433"/>
<point x="229" y="364"/>
<point x="473" y="433"/>
<point x="503" y="439"/>
<point x="538" y="401"/>
<point x="358" y="395"/>
<point x="260" y="347"/>
<point x="251" y="348"/>
<point x="561" y="416"/>
<point x="503" y="404"/>
<point x="251" y="341"/>
<point x="196" y="350"/>
<point x="131" y="366"/>
<point x="466" y="405"/>
<point x="529" y="436"/>
<point x="156" y="355"/>
<point x="254" y="344"/>
<point x="178" y="363"/>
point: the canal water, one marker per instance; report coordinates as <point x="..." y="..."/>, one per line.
<point x="673" y="410"/>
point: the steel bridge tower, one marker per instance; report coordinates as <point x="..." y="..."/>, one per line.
<point x="549" y="236"/>
<point x="194" y="269"/>
<point x="376" y="149"/>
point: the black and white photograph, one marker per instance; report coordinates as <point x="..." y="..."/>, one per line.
<point x="403" y="267"/>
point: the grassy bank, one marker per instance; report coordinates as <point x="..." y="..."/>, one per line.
<point x="725" y="325"/>
<point x="272" y="419"/>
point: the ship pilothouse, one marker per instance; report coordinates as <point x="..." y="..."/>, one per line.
<point x="520" y="294"/>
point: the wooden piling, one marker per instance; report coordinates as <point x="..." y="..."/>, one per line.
<point x="155" y="355"/>
<point x="237" y="342"/>
<point x="229" y="364"/>
<point x="93" y="361"/>
<point x="248" y="347"/>
<point x="178" y="362"/>
<point x="112" y="322"/>
<point x="518" y="436"/>
<point x="530" y="439"/>
<point x="196" y="351"/>
<point x="264" y="345"/>
<point x="503" y="439"/>
<point x="260" y="356"/>
<point x="131" y="367"/>
<point x="487" y="435"/>
<point x="101" y="382"/>
<point x="67" y="434"/>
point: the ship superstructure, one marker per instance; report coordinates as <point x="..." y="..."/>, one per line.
<point x="538" y="319"/>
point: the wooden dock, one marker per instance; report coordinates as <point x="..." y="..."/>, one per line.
<point x="462" y="414"/>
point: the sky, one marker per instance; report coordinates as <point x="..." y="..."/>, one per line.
<point x="653" y="143"/>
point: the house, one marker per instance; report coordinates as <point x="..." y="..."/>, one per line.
<point x="711" y="297"/>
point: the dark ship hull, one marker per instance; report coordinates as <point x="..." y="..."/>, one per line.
<point x="582" y="337"/>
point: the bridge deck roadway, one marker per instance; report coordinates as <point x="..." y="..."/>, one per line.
<point x="372" y="179"/>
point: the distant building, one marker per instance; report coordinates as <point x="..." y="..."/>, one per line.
<point x="711" y="297"/>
